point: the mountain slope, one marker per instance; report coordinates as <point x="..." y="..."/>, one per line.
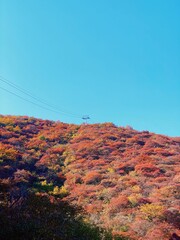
<point x="124" y="180"/>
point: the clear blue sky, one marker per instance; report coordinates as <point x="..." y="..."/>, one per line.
<point x="117" y="61"/>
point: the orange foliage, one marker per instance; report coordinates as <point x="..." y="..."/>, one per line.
<point x="126" y="180"/>
<point x="8" y="153"/>
<point x="117" y="203"/>
<point x="92" y="177"/>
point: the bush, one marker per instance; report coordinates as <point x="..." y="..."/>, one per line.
<point x="151" y="211"/>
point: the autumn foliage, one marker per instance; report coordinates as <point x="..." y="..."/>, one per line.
<point x="125" y="181"/>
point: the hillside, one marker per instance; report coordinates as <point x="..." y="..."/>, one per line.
<point x="95" y="177"/>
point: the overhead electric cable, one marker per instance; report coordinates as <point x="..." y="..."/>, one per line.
<point x="27" y="100"/>
<point x="28" y="93"/>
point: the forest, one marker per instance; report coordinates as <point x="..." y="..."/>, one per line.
<point x="90" y="181"/>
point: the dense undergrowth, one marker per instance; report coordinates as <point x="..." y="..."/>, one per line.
<point x="99" y="181"/>
<point x="37" y="218"/>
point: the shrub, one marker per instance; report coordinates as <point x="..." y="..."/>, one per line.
<point x="116" y="204"/>
<point x="92" y="177"/>
<point x="151" y="211"/>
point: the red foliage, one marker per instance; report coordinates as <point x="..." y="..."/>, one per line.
<point x="116" y="204"/>
<point x="92" y="177"/>
<point x="112" y="172"/>
<point x="147" y="169"/>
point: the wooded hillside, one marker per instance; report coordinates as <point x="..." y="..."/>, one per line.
<point x="69" y="181"/>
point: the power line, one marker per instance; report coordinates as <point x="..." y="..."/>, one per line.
<point x="28" y="93"/>
<point x="28" y="100"/>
